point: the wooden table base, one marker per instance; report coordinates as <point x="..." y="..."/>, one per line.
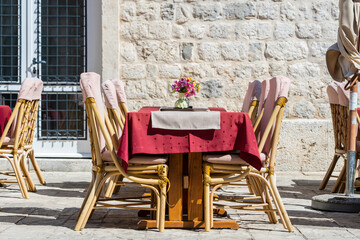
<point x="146" y="224"/>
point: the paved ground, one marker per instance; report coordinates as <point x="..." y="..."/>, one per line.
<point x="50" y="214"/>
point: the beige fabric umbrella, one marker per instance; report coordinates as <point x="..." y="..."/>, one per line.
<point x="342" y="58"/>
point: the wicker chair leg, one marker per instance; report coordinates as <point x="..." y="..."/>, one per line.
<point x="207" y="207"/>
<point x="162" y="207"/>
<point x="329" y="172"/>
<point x="337" y="186"/>
<point x="111" y="186"/>
<point x="28" y="179"/>
<point x="288" y="224"/>
<point x="36" y="167"/>
<point x="89" y="204"/>
<point x="19" y="177"/>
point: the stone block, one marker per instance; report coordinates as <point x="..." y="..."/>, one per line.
<point x="321" y="10"/>
<point x="277" y="68"/>
<point x="335" y="10"/>
<point x="284" y="30"/>
<point x="148" y="11"/>
<point x="330" y="31"/>
<point x="128" y="52"/>
<point x="169" y="71"/>
<point x="128" y="11"/>
<point x="243" y="71"/>
<point x="224" y="70"/>
<point x="151" y="71"/>
<point x="186" y="51"/>
<point x="304" y="109"/>
<point x="165" y="51"/>
<point x="139" y="89"/>
<point x="254" y="30"/>
<point x="161" y="30"/>
<point x="134" y="30"/>
<point x="305" y="13"/>
<point x="209" y="51"/>
<point x="233" y="51"/>
<point x="183" y="14"/>
<point x="212" y="89"/>
<point x="197" y="31"/>
<point x="308" y="30"/>
<point x="268" y="10"/>
<point x="319" y="48"/>
<point x="208" y="12"/>
<point x="261" y="71"/>
<point x="301" y="148"/>
<point x="167" y="11"/>
<point x="304" y="70"/>
<point x="256" y="52"/>
<point x="196" y="70"/>
<point x="131" y="71"/>
<point x="288" y="11"/>
<point x="219" y="31"/>
<point x="178" y="31"/>
<point x="286" y="50"/>
<point x="240" y="10"/>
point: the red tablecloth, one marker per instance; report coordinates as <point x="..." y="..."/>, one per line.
<point x="236" y="133"/>
<point x="5" y="113"/>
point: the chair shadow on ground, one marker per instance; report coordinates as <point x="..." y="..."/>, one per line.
<point x="113" y="218"/>
<point x="300" y="212"/>
<point x="305" y="190"/>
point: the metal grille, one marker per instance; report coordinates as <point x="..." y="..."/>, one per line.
<point x="62" y="116"/>
<point x="62" y="41"/>
<point x="10" y="41"/>
<point x="62" y="46"/>
<point x="8" y="98"/>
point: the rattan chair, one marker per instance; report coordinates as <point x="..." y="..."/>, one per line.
<point x="18" y="134"/>
<point x="147" y="172"/>
<point x="339" y="103"/>
<point x="218" y="168"/>
<point x="339" y="136"/>
<point x="251" y="100"/>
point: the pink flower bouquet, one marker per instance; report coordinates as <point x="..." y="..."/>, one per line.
<point x="185" y="85"/>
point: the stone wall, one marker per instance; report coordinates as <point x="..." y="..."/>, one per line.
<point x="224" y="45"/>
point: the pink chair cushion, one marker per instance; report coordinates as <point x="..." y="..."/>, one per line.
<point x="109" y="91"/>
<point x="139" y="158"/>
<point x="30" y="89"/>
<point x="279" y="87"/>
<point x="230" y="158"/>
<point x="120" y="90"/>
<point x="110" y="98"/>
<point x="343" y="95"/>
<point x="264" y="92"/>
<point x="38" y="89"/>
<point x="332" y="93"/>
<point x="252" y="94"/>
<point x="90" y="88"/>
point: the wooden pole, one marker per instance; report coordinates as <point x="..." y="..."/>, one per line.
<point x="352" y="132"/>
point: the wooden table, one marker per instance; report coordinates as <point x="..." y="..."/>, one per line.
<point x="185" y="148"/>
<point x="185" y="197"/>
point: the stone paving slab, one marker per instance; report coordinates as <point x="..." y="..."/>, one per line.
<point x="51" y="212"/>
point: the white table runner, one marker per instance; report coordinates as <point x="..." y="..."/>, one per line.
<point x="182" y="120"/>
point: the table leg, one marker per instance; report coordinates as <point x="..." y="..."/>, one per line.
<point x="176" y="188"/>
<point x="195" y="192"/>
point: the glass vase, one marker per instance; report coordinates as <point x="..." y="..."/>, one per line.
<point x="181" y="102"/>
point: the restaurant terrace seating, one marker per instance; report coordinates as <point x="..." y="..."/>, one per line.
<point x="146" y="171"/>
<point x="17" y="137"/>
<point x="219" y="168"/>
